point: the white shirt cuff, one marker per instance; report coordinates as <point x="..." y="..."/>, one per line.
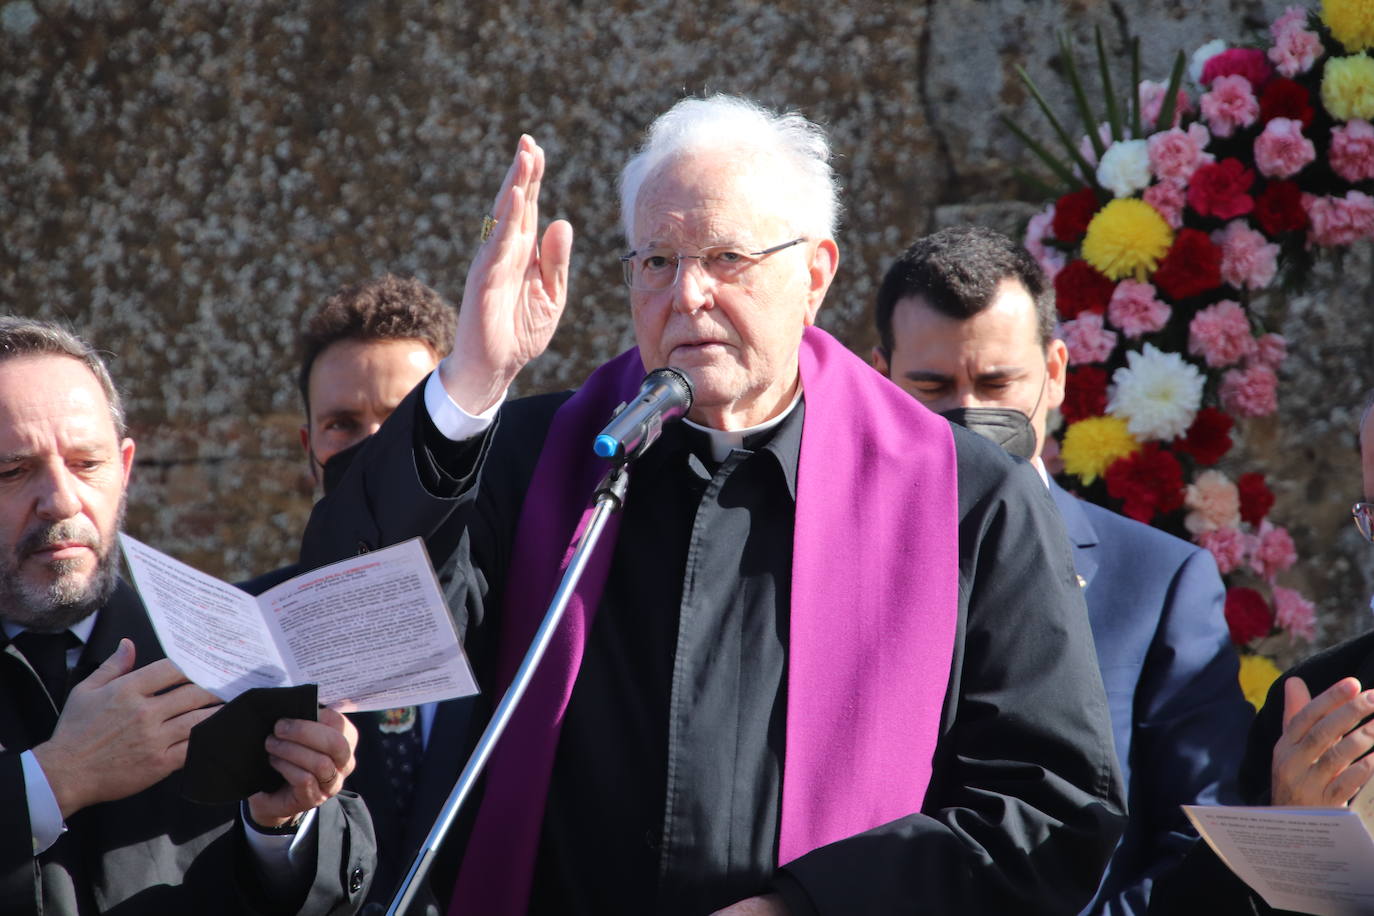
<point x="453" y="421"/>
<point x="45" y="817"/>
<point x="282" y="857"/>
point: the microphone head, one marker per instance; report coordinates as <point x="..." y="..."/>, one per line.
<point x="664" y="396"/>
<point x="678" y="380"/>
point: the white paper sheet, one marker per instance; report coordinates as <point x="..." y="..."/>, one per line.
<point x="1312" y="860"/>
<point x="372" y="631"/>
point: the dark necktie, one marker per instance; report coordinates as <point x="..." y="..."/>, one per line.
<point x="47" y="654"/>
<point x="402" y="743"/>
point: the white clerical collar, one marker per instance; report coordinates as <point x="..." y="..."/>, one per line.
<point x="81" y="629"/>
<point x="1040" y="469"/>
<point x="723" y="441"/>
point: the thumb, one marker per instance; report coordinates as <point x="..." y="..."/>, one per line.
<point x="1295" y="697"/>
<point x="120" y="662"/>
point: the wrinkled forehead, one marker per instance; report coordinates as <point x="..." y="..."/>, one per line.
<point x="706" y="197"/>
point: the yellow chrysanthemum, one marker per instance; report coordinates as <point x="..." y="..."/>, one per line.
<point x="1126" y="239"/>
<point x="1092" y="444"/>
<point x="1348" y="87"/>
<point x="1351" y="22"/>
<point x="1257" y="675"/>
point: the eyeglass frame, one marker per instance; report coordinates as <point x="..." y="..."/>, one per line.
<point x="627" y="262"/>
<point x="1363" y="515"/>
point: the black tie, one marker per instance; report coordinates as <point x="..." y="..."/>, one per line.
<point x="403" y="747"/>
<point x="47" y="654"/>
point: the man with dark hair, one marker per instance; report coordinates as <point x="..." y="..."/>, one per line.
<point x="966" y="323"/>
<point x="361" y="352"/>
<point x="94" y="721"/>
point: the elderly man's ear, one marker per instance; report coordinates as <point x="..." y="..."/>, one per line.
<point x="825" y="260"/>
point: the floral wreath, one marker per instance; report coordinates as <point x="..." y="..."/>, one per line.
<point x="1172" y="216"/>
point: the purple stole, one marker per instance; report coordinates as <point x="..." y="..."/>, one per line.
<point x="874" y="607"/>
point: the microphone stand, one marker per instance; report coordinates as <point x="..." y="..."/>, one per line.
<point x="609" y="497"/>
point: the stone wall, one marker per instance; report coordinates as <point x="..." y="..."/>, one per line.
<point x="182" y="180"/>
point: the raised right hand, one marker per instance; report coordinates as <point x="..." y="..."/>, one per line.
<point x="1318" y="760"/>
<point x="119" y="733"/>
<point x="515" y="290"/>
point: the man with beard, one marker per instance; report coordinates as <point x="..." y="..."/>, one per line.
<point x="94" y="721"/>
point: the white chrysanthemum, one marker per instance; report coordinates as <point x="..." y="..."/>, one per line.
<point x="1125" y="168"/>
<point x="1156" y="393"/>
<point x="1200" y="58"/>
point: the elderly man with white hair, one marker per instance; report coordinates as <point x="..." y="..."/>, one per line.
<point x="830" y="658"/>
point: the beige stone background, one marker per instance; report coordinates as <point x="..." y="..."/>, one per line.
<point x="181" y="180"/>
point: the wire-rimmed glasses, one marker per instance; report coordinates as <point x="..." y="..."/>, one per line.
<point x="654" y="269"/>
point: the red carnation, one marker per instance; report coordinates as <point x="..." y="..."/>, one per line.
<point x="1284" y="98"/>
<point x="1079" y="288"/>
<point x="1250" y="63"/>
<point x="1072" y="213"/>
<point x="1192" y="266"/>
<point x="1221" y="189"/>
<point x="1208" y="438"/>
<point x="1085" y="394"/>
<point x="1247" y="614"/>
<point x="1255" y="498"/>
<point x="1279" y="209"/>
<point x="1148" y="481"/>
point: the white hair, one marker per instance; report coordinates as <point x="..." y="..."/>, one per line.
<point x="738" y="124"/>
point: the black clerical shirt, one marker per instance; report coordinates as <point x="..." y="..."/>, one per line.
<point x="678" y="712"/>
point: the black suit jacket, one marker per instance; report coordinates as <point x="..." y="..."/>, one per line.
<point x="153" y="852"/>
<point x="399" y="837"/>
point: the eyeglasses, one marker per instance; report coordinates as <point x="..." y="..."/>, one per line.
<point x="1363" y="513"/>
<point x="655" y="269"/>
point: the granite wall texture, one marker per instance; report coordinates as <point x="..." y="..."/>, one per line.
<point x="181" y="181"/>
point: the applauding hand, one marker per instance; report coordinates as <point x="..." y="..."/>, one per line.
<point x="1319" y="760"/>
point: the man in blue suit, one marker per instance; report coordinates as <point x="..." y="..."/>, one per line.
<point x="966" y="320"/>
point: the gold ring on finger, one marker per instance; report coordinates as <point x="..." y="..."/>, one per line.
<point x="488" y="224"/>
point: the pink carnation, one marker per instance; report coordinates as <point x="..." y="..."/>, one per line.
<point x="1175" y="154"/>
<point x="1168" y="197"/>
<point x="1229" y="105"/>
<point x="1293" y="17"/>
<point x="1281" y="151"/>
<point x="1352" y="150"/>
<point x="1295" y="48"/>
<point x="1294" y="613"/>
<point x="1248" y="259"/>
<point x="1214" y="501"/>
<point x="1274" y="551"/>
<point x="1088" y="341"/>
<point x="1051" y="260"/>
<point x="1135" y="310"/>
<point x="1220" y="334"/>
<point x="1339" y="220"/>
<point x="1250" y="392"/>
<point x="1228" y="546"/>
<point x="1152" y="103"/>
<point x="1271" y="350"/>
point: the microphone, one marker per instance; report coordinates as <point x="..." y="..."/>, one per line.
<point x="665" y="396"/>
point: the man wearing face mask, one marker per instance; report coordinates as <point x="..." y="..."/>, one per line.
<point x="966" y="322"/>
<point x="361" y="352"/>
